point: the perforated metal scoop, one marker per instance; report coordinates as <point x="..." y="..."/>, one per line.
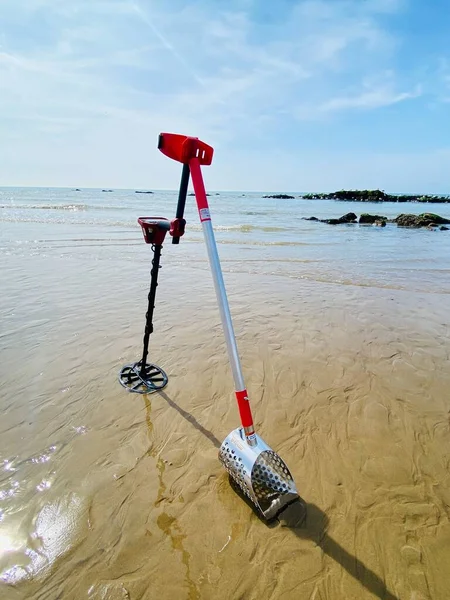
<point x="259" y="472"/>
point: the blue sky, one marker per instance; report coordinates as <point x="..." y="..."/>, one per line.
<point x="293" y="95"/>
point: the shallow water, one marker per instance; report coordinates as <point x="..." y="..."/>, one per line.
<point x="343" y="333"/>
<point x="258" y="235"/>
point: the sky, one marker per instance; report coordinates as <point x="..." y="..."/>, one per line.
<point x="294" y="95"/>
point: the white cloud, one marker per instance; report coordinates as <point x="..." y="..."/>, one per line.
<point x="372" y="93"/>
<point x="367" y="100"/>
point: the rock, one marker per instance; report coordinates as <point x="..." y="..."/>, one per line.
<point x="310" y="219"/>
<point x="331" y="221"/>
<point x="380" y="223"/>
<point x="370" y="219"/>
<point x="348" y="218"/>
<point x="106" y="190"/>
<point x="406" y="221"/>
<point x="423" y="220"/>
<point x="444" y="228"/>
<point x="280" y="197"/>
<point x="374" y="196"/>
<point x="434" y="218"/>
<point x="139" y="192"/>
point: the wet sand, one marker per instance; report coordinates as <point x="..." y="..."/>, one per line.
<point x="109" y="495"/>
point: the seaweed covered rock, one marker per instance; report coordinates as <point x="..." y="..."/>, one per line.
<point x="404" y="220"/>
<point x="310" y="219"/>
<point x="348" y="218"/>
<point x="365" y="218"/>
<point x="422" y="220"/>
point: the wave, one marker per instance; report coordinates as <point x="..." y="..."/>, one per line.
<point x="257" y="213"/>
<point x="69" y="222"/>
<point x="72" y="207"/>
<point x="326" y="279"/>
<point x="69" y="207"/>
<point x="257" y="243"/>
<point x="243" y="228"/>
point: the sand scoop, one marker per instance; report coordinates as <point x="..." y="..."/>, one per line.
<point x="258" y="471"/>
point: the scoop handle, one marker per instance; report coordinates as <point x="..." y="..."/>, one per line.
<point x="224" y="309"/>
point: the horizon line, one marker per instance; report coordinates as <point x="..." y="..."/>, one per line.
<point x="216" y="191"/>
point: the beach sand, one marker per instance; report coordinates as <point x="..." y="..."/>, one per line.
<point x="109" y="495"/>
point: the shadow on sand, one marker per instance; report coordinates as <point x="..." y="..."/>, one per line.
<point x="190" y="419"/>
<point x="306" y="521"/>
<point x="314" y="528"/>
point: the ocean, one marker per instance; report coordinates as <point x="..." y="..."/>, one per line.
<point x="256" y="234"/>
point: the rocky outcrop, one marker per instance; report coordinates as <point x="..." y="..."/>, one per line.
<point x="280" y="197"/>
<point x="375" y="196"/>
<point x="423" y="220"/>
<point x="428" y="220"/>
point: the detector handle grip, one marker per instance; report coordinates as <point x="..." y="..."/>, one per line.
<point x="178" y="224"/>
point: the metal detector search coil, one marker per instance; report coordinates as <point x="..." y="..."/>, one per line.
<point x="259" y="472"/>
